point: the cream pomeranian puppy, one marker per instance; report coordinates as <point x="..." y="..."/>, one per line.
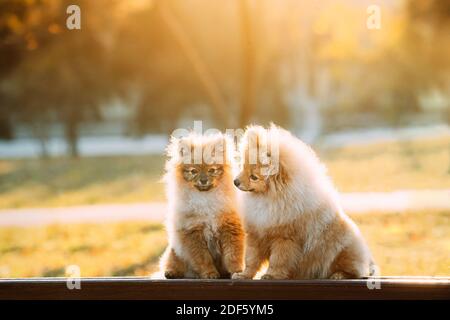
<point x="292" y="216"/>
<point x="206" y="238"/>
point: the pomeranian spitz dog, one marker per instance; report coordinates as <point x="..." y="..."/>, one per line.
<point x="206" y="238"/>
<point x="292" y="216"/>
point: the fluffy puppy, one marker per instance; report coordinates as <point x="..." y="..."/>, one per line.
<point x="206" y="238"/>
<point x="292" y="215"/>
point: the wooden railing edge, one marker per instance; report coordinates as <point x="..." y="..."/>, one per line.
<point x="142" y="288"/>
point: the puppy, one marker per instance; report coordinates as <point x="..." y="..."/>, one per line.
<point x="292" y="215"/>
<point x="206" y="238"/>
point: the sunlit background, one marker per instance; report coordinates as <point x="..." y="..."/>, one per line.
<point x="85" y="116"/>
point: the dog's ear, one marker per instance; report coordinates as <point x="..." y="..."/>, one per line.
<point x="283" y="174"/>
<point x="172" y="148"/>
<point x="184" y="148"/>
<point x="219" y="147"/>
<point x="278" y="176"/>
<point x="180" y="150"/>
<point x="215" y="150"/>
<point x="228" y="150"/>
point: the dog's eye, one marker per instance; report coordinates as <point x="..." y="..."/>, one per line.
<point x="212" y="170"/>
<point x="253" y="177"/>
<point x="193" y="171"/>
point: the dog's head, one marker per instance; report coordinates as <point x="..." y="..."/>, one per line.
<point x="199" y="162"/>
<point x="260" y="165"/>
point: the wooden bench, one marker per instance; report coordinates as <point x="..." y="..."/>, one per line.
<point x="145" y="288"/>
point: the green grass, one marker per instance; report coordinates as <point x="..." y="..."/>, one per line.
<point x="413" y="243"/>
<point x="421" y="164"/>
<point x="113" y="249"/>
<point x="65" y="182"/>
<point x="409" y="243"/>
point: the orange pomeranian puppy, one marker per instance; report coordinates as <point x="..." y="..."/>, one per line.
<point x="206" y="238"/>
<point x="292" y="216"/>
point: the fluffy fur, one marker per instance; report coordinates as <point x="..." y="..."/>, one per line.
<point x="206" y="239"/>
<point x="292" y="216"/>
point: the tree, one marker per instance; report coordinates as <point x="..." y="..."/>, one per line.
<point x="12" y="14"/>
<point x="64" y="73"/>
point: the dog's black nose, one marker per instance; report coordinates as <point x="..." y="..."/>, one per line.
<point x="237" y="182"/>
<point x="203" y="180"/>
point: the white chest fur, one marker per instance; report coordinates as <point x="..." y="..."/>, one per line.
<point x="204" y="203"/>
<point x="192" y="208"/>
<point x="262" y="212"/>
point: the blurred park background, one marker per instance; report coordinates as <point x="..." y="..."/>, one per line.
<point x="85" y="116"/>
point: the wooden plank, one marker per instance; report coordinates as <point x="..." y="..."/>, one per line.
<point x="145" y="288"/>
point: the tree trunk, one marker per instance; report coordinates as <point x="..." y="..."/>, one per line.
<point x="71" y="128"/>
<point x="44" y="150"/>
<point x="40" y="132"/>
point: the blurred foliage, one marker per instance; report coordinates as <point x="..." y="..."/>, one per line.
<point x="228" y="64"/>
<point x="412" y="66"/>
<point x="60" y="74"/>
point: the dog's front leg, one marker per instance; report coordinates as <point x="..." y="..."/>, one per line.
<point x="253" y="259"/>
<point x="232" y="242"/>
<point x="282" y="256"/>
<point x="173" y="266"/>
<point x="200" y="259"/>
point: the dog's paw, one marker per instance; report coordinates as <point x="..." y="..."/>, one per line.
<point x="170" y="274"/>
<point x="338" y="276"/>
<point x="234" y="268"/>
<point x="240" y="276"/>
<point x="269" y="276"/>
<point x="210" y="275"/>
<point x="232" y="271"/>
